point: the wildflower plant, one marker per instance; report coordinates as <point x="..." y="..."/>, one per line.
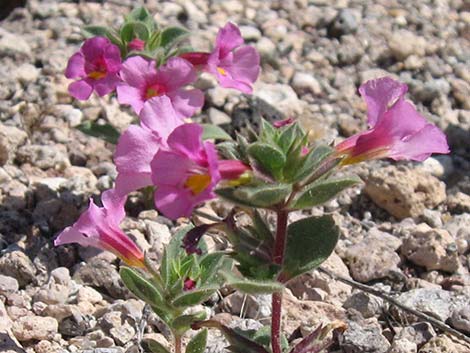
<point x="275" y="170"/>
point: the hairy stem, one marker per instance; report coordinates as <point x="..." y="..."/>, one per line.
<point x="178" y="344"/>
<point x="278" y="257"/>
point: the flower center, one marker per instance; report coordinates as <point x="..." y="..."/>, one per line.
<point x="197" y="183"/>
<point x="222" y="71"/>
<point x="99" y="71"/>
<point x="154" y="90"/>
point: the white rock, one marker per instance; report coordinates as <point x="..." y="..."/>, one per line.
<point x="28" y="328"/>
<point x="218" y="117"/>
<point x="305" y="82"/>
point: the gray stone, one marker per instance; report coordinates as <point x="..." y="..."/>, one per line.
<point x="361" y="337"/>
<point x="404" y="43"/>
<point x="283" y="97"/>
<point x="368" y="305"/>
<point x="435" y="249"/>
<point x="28" y="328"/>
<point x="218" y="117"/>
<point x="12" y="44"/>
<point x="345" y="23"/>
<point x="435" y="302"/>
<point x="404" y="192"/>
<point x="8" y="284"/>
<point x="460" y="319"/>
<point x="374" y="257"/>
<point x="18" y="265"/>
<point x="304" y="82"/>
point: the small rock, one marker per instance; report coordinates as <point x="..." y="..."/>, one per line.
<point x="304" y="82"/>
<point x="436" y="302"/>
<point x="123" y="334"/>
<point x="52" y="294"/>
<point x="27" y="73"/>
<point x="461" y="92"/>
<point x="88" y="294"/>
<point x="18" y="265"/>
<point x="250" y="33"/>
<point x="8" y="284"/>
<point x="363" y="337"/>
<point x="443" y="344"/>
<point x="35" y="328"/>
<point x="283" y="97"/>
<point x="374" y="257"/>
<point x="404" y="192"/>
<point x="12" y="44"/>
<point x="460" y="319"/>
<point x="404" y="43"/>
<point x="344" y="23"/>
<point x="368" y="305"/>
<point x="218" y="117"/>
<point x="434" y="249"/>
<point x="61" y="275"/>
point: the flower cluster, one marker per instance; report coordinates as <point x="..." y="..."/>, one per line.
<point x="276" y="169"/>
<point x="163" y="150"/>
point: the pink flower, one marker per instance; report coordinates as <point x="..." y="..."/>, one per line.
<point x="136" y="44"/>
<point x="185" y="173"/>
<point x="138" y="144"/>
<point x="396" y="131"/>
<point x="143" y="81"/>
<point x="231" y="169"/>
<point x="234" y="64"/>
<point x="97" y="65"/>
<point x="99" y="227"/>
<point x="281" y="123"/>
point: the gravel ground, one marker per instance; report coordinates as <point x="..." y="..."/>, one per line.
<point x="406" y="230"/>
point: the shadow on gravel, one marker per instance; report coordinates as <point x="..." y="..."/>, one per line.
<point x="8" y="6"/>
<point x="8" y="345"/>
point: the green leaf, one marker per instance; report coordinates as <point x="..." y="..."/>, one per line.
<point x="250" y="286"/>
<point x="310" y="241"/>
<point x="198" y="343"/>
<point x="229" y="150"/>
<point x="289" y="135"/>
<point x="106" y="132"/>
<point x="133" y="30"/>
<point x="172" y="251"/>
<point x="209" y="265"/>
<point x="263" y="336"/>
<point x="322" y="191"/>
<point x="264" y="195"/>
<point x="92" y="31"/>
<point x="172" y="35"/>
<point x="141" y="287"/>
<point x="311" y="162"/>
<point x="195" y="296"/>
<point x="183" y="323"/>
<point x="156" y="347"/>
<point x="269" y="157"/>
<point x="268" y="133"/>
<point x="214" y="132"/>
<point x="141" y="14"/>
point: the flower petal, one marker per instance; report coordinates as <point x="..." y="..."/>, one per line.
<point x="173" y="202"/>
<point x="228" y="38"/>
<point x="107" y="84"/>
<point x="186" y="139"/>
<point x="159" y="115"/>
<point x="186" y="102"/>
<point x="135" y="150"/>
<point x="94" y="47"/>
<point x="75" y="66"/>
<point x="130" y="95"/>
<point x="81" y="89"/>
<point x="379" y="94"/>
<point x="176" y="73"/>
<point x="138" y="72"/>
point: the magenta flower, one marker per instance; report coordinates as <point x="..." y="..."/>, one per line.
<point x="396" y="131"/>
<point x="138" y="144"/>
<point x="234" y="64"/>
<point x="143" y="81"/>
<point x="96" y="65"/>
<point x="99" y="227"/>
<point x="185" y="173"/>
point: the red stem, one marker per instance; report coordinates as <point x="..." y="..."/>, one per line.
<point x="278" y="257"/>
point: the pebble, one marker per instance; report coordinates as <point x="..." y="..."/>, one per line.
<point x="34" y="328"/>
